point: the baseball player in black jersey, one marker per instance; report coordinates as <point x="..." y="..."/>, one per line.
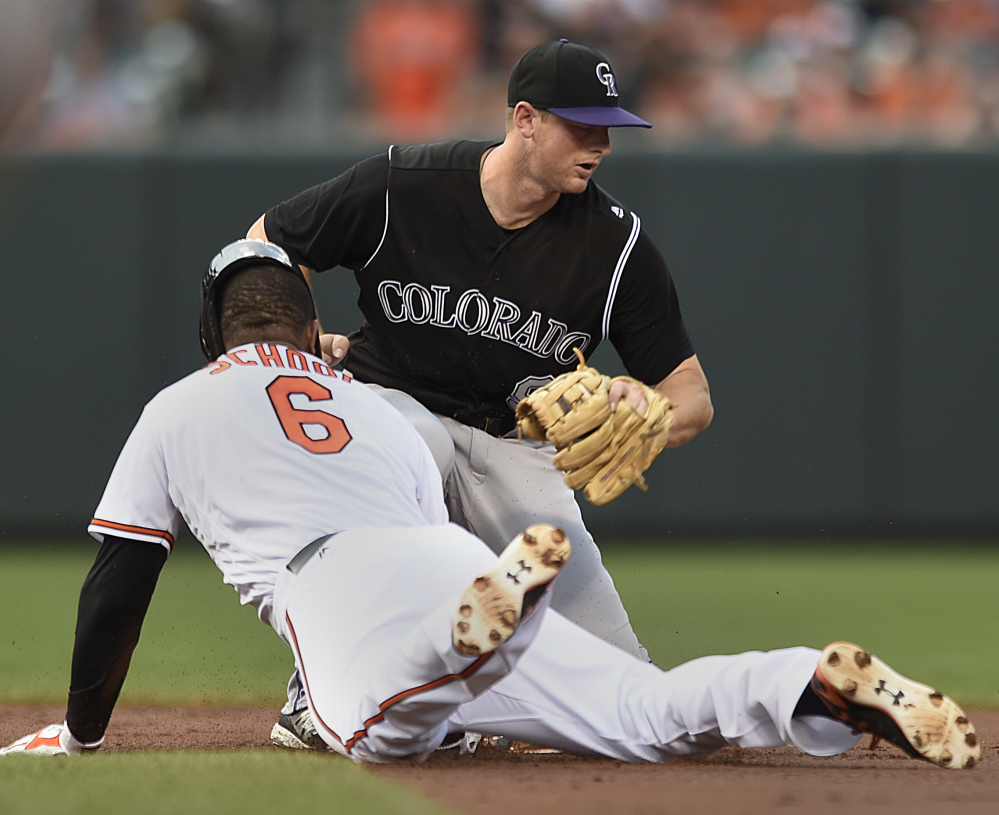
<point x="481" y="266"/>
<point x="406" y="627"/>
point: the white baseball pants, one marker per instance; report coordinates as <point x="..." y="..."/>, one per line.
<point x="369" y="619"/>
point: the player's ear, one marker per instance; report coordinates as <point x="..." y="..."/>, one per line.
<point x="525" y="115"/>
<point x="312" y="333"/>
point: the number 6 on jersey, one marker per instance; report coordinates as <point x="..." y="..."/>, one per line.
<point x="293" y="420"/>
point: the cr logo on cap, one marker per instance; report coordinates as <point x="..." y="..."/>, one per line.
<point x="607" y="78"/>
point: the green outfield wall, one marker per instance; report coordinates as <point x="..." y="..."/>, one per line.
<point x="843" y="306"/>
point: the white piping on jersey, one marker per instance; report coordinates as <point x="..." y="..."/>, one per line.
<point x="636" y="225"/>
<point x="385" y="230"/>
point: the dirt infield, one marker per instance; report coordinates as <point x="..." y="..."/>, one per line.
<point x="882" y="781"/>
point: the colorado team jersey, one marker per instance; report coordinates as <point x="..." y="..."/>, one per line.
<point x="289" y="449"/>
<point x="469" y="317"/>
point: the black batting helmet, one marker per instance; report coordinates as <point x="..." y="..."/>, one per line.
<point x="231" y="259"/>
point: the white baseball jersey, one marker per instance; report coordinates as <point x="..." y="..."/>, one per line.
<point x="264" y="432"/>
<point x="267" y="449"/>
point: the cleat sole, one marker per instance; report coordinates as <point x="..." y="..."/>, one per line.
<point x="492" y="606"/>
<point x="863" y="692"/>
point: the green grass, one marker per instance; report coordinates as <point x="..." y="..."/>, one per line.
<point x="931" y="611"/>
<point x="201" y="782"/>
<point x="198" y="645"/>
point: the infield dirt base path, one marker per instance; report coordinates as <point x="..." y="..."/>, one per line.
<point x="882" y="781"/>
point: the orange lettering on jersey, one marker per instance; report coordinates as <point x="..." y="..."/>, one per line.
<point x="297" y="361"/>
<point x="272" y="359"/>
<point x="222" y="366"/>
<point x="233" y="356"/>
<point x="321" y="368"/>
<point x="346" y="377"/>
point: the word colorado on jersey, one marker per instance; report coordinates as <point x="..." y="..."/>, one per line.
<point x="474" y="313"/>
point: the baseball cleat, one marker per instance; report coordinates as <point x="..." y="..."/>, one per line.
<point x="517" y="747"/>
<point x="467" y="744"/>
<point x="863" y="692"/>
<point x="51" y="740"/>
<point x="297" y="732"/>
<point x="492" y="606"/>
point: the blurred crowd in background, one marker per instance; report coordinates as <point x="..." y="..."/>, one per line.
<point x="832" y="74"/>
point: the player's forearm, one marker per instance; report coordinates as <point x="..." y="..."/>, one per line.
<point x="688" y="391"/>
<point x="691" y="416"/>
<point x="113" y="603"/>
<point x="258" y="232"/>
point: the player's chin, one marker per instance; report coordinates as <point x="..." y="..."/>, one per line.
<point x="576" y="183"/>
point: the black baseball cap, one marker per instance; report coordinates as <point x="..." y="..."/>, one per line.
<point x="572" y="81"/>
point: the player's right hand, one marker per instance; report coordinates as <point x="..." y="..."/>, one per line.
<point x="334" y="347"/>
<point x="620" y="389"/>
<point x="51" y="740"/>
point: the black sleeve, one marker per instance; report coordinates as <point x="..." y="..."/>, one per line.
<point x="113" y="604"/>
<point x="646" y="327"/>
<point x="337" y="223"/>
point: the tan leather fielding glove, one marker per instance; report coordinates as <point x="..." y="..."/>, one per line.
<point x="601" y="452"/>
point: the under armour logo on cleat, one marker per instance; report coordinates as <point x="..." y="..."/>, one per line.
<point x="896" y="697"/>
<point x="523" y="568"/>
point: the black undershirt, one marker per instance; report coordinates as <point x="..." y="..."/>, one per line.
<point x="113" y="603"/>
